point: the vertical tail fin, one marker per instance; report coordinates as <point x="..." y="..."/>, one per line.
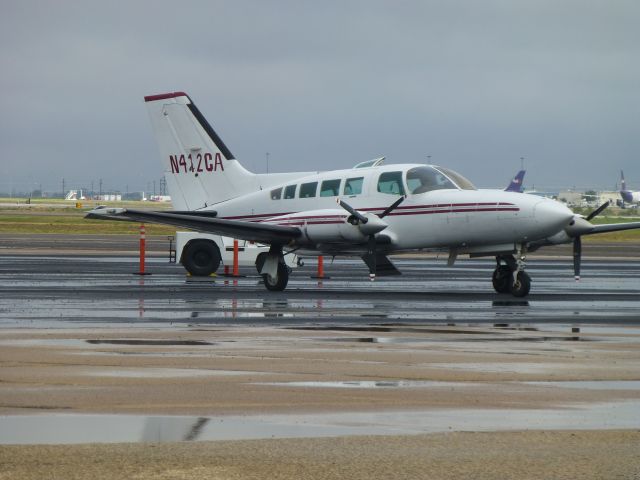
<point x="623" y="184"/>
<point x="199" y="168"/>
<point x="516" y="184"/>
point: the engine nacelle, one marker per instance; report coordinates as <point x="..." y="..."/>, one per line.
<point x="331" y="226"/>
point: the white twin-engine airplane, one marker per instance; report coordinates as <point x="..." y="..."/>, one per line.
<point x="370" y="210"/>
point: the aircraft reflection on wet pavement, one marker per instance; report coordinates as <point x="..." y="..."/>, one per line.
<point x="109" y="293"/>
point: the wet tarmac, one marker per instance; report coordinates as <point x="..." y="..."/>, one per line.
<point x="413" y="322"/>
<point x="95" y="289"/>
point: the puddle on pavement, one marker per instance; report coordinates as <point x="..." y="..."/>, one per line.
<point x="137" y="342"/>
<point x="169" y="354"/>
<point x="373" y="384"/>
<point x="388" y="329"/>
<point x="499" y="367"/>
<point x="53" y="342"/>
<point x="510" y="303"/>
<point x="496" y="332"/>
<point x="164" y="373"/>
<point x="70" y="429"/>
<point x="78" y="343"/>
<point x="592" y="384"/>
<point x="401" y="340"/>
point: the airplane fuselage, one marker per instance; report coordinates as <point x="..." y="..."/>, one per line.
<point x="463" y="219"/>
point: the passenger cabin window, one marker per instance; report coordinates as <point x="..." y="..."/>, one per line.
<point x="330" y="188"/>
<point x="290" y="191"/>
<point x="308" y="190"/>
<point x="353" y="186"/>
<point x="391" y="183"/>
<point x="276" y="194"/>
<point x="424" y="179"/>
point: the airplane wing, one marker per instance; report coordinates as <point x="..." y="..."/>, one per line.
<point x="251" y="231"/>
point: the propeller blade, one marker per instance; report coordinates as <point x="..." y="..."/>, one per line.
<point x="597" y="211"/>
<point x="371" y="253"/>
<point x="392" y="207"/>
<point x="356" y="214"/>
<point x="577" y="256"/>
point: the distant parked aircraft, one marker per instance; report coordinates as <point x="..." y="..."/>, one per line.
<point x="627" y="195"/>
<point x="517" y="184"/>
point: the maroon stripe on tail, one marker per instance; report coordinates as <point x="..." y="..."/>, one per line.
<point x="163" y="96"/>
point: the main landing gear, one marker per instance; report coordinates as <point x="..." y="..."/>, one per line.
<point x="274" y="271"/>
<point x="509" y="275"/>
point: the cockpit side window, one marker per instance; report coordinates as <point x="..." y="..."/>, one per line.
<point x="276" y="194"/>
<point x="290" y="191"/>
<point x="391" y="183"/>
<point x="424" y="179"/>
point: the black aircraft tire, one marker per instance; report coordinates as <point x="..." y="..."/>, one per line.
<point x="201" y="258"/>
<point x="280" y="283"/>
<point x="521" y="287"/>
<point x="502" y="278"/>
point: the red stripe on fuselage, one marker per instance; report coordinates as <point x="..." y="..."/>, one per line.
<point x="415" y="210"/>
<point x="455" y="210"/>
<point x="294" y="223"/>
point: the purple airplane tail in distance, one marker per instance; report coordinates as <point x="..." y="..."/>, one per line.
<point x="627" y="196"/>
<point x="516" y="184"/>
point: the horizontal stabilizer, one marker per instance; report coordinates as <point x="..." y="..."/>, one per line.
<point x="251" y="231"/>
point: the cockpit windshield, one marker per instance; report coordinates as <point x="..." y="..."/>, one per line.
<point x="424" y="179"/>
<point x="461" y="181"/>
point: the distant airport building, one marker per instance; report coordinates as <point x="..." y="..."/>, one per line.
<point x="109" y="197"/>
<point x="570" y="197"/>
<point x="134" y="196"/>
<point x="612" y="197"/>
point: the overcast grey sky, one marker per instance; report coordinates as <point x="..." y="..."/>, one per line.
<point x="324" y="85"/>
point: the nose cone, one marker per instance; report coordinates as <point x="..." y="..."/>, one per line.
<point x="374" y="225"/>
<point x="552" y="216"/>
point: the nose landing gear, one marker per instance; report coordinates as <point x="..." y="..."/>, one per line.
<point x="509" y="275"/>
